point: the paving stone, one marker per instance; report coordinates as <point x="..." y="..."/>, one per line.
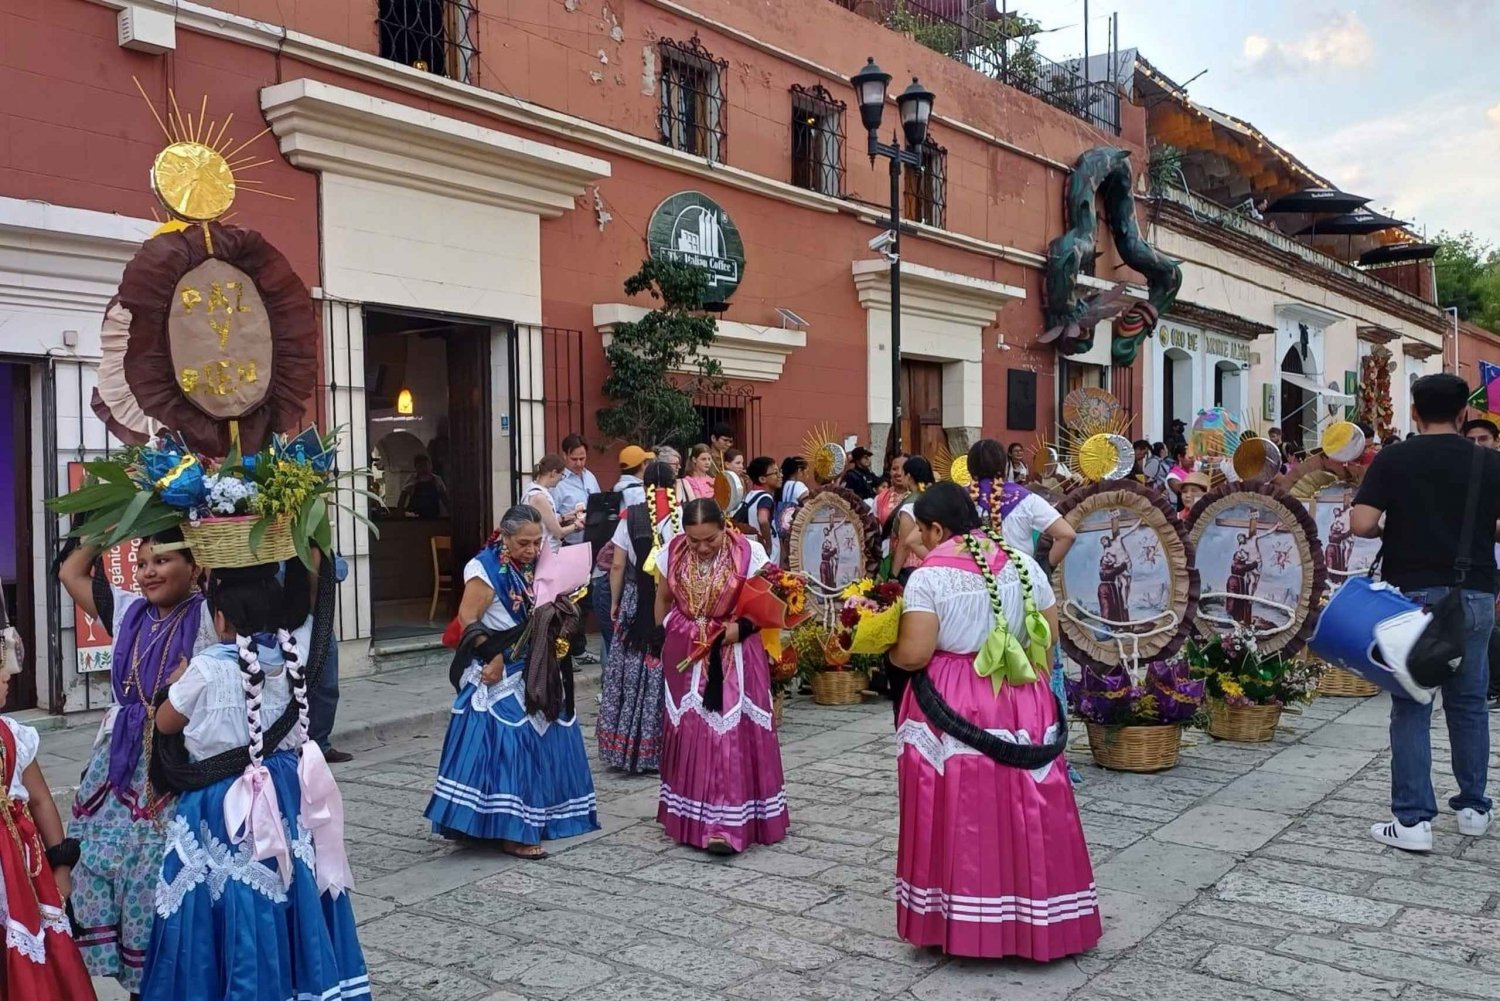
<point x="877" y="882"/>
<point x="1171" y="945"/>
<point x="391" y="976"/>
<point x="874" y="974"/>
<point x="856" y="910"/>
<point x="769" y="943"/>
<point x="822" y="932"/>
<point x="1318" y="762"/>
<point x="1477" y="932"/>
<point x="638" y="986"/>
<point x="1225" y="828"/>
<point x="420" y="938"/>
<point x="1137" y="811"/>
<point x="603" y="857"/>
<point x="1161" y="871"/>
<point x="1373" y="860"/>
<point x="705" y="875"/>
<point x="787" y="864"/>
<point x="1460" y="980"/>
<point x="1351" y="737"/>
<point x="1414" y="944"/>
<point x="648" y="837"/>
<point x="1114" y="831"/>
<point x="1338" y="880"/>
<point x="547" y="972"/>
<point x="892" y="950"/>
<point x="1342" y="907"/>
<point x="1140" y="981"/>
<point x="1274" y="791"/>
<point x="1129" y="917"/>
<point x="688" y="962"/>
<point x="837" y="835"/>
<point x="1197" y="924"/>
<point x="781" y="894"/>
<point x="1281" y="921"/>
<point x="778" y="984"/>
<point x="970" y="980"/>
<point x="1263" y="969"/>
<point x="1426" y="894"/>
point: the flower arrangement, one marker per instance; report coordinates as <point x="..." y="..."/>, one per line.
<point x="784" y="671"/>
<point x="1167" y="695"/>
<point x="1235" y="673"/>
<point x="290" y="484"/>
<point x="870" y="617"/>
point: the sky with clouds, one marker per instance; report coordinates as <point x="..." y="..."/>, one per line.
<point x="1395" y="99"/>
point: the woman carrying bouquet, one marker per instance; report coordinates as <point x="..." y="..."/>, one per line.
<point x="252" y="901"/>
<point x="721" y="783"/>
<point x="513" y="767"/>
<point x="991" y="860"/>
<point x="118" y="818"/>
<point x="629" y="725"/>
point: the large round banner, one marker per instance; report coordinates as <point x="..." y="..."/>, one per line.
<point x="834" y="540"/>
<point x="1127" y="589"/>
<point x="1261" y="564"/>
<point x="1345" y="554"/>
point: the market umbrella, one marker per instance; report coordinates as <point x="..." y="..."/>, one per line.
<point x="1360" y="222"/>
<point x="1318" y="200"/>
<point x="1396" y="253"/>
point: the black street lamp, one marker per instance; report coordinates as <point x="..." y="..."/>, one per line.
<point x="915" y="105"/>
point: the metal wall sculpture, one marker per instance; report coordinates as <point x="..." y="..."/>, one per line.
<point x="1070" y="313"/>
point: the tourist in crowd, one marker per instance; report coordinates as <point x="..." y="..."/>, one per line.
<point x="1021" y="516"/>
<point x="628" y="729"/>
<point x="633" y="461"/>
<point x="699" y="479"/>
<point x="720" y="441"/>
<point x="1482" y="432"/>
<point x="721" y="781"/>
<point x="118" y="818"/>
<point x="889" y="498"/>
<point x="549" y="472"/>
<point x="507" y="775"/>
<point x="734" y="461"/>
<point x="669" y="455"/>
<point x="1182" y="465"/>
<point x="576" y="485"/>
<point x="759" y="509"/>
<point x="995" y="834"/>
<point x="238" y="715"/>
<point x="859" y="479"/>
<point x="1015" y="464"/>
<point x="1139" y="470"/>
<point x="1421" y="489"/>
<point x="1193" y="489"/>
<point x="794" y="490"/>
<point x="907" y="548"/>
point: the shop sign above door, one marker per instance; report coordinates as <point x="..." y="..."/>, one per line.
<point x="691" y="228"/>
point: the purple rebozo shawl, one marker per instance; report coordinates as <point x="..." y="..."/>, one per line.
<point x="1011" y="494"/>
<point x="155" y="646"/>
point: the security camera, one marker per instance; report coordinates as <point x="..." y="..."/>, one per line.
<point x="882" y="241"/>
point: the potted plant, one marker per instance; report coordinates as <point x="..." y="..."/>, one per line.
<point x="1136" y="726"/>
<point x="1247" y="690"/>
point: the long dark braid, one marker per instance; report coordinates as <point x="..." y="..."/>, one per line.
<point x="252" y="679"/>
<point x="298" y="679"/>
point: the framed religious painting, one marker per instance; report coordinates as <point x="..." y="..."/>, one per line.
<point x="1127" y="589"/>
<point x="1345" y="554"/>
<point x="834" y="540"/>
<point x="1261" y="564"/>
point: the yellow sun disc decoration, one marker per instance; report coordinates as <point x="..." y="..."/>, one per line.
<point x="959" y="473"/>
<point x="193" y="181"/>
<point x="1099" y="458"/>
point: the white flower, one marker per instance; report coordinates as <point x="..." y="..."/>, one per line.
<point x="228" y="495"/>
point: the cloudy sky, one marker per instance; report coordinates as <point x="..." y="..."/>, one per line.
<point x="1395" y="99"/>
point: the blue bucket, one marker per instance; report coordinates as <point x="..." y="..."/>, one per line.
<point x="1346" y="634"/>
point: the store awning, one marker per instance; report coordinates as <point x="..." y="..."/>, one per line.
<point x="1309" y="385"/>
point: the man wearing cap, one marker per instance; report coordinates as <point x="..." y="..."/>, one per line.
<point x="859" y="478"/>
<point x="632" y="490"/>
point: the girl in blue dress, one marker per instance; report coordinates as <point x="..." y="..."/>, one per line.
<point x="513" y="767"/>
<point x="251" y="903"/>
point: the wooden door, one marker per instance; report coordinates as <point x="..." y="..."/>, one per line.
<point x="922" y="408"/>
<point x="470" y="477"/>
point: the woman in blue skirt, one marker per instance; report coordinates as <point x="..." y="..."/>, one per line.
<point x="513" y="768"/>
<point x="252" y="903"/>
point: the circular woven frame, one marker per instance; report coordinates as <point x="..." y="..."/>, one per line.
<point x="1289" y="511"/>
<point x="849" y="504"/>
<point x="1147" y="504"/>
<point x="146" y="290"/>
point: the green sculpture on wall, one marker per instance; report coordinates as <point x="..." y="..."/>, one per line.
<point x="1071" y="313"/>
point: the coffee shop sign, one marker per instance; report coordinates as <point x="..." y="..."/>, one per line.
<point x="1214" y="344"/>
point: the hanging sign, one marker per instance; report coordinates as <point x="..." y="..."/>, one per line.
<point x="691" y="228"/>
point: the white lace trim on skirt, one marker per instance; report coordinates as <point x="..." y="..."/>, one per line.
<point x="206" y="859"/>
<point x="512" y="686"/>
<point x="34" y="946"/>
<point x="719" y="722"/>
<point x="938" y="748"/>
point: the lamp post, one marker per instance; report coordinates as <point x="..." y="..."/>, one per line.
<point x="915" y="105"/>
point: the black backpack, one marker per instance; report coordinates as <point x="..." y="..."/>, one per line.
<point x="1439" y="652"/>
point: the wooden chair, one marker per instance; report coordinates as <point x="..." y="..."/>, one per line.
<point x="442" y="571"/>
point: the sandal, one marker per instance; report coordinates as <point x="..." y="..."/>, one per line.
<point x="719" y="846"/>
<point x="525" y="852"/>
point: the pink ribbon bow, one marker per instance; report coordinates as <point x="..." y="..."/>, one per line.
<point x="251" y="811"/>
<point x="323" y="817"/>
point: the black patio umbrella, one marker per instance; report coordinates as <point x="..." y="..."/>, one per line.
<point x="1318" y="200"/>
<point x="1360" y="222"/>
<point x="1396" y="253"/>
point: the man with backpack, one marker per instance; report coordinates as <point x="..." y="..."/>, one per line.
<point x="1440" y="498"/>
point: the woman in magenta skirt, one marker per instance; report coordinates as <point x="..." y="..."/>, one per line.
<point x="721" y="784"/>
<point x="992" y="860"/>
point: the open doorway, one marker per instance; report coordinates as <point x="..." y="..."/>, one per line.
<point x="16" y="561"/>
<point x="1295" y="409"/>
<point x="922" y="408"/>
<point x="427" y="405"/>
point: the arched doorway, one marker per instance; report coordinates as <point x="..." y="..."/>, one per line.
<point x="1294" y="402"/>
<point x="1229" y="387"/>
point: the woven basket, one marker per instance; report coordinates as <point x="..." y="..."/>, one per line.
<point x="225" y="542"/>
<point x="777" y="704"/>
<point x="839" y="688"/>
<point x="1134" y="748"/>
<point x="1343" y="684"/>
<point x="1248" y="724"/>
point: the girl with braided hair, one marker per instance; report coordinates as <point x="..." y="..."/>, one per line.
<point x="250" y="901"/>
<point x="992" y="860"/>
<point x="1019" y="515"/>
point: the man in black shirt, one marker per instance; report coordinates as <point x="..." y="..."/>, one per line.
<point x="1421" y="486"/>
<point x="859" y="477"/>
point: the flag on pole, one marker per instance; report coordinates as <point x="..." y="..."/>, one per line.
<point x="1489" y="386"/>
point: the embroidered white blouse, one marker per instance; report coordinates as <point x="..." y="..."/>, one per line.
<point x="27" y="743"/>
<point x="962" y="603"/>
<point x="497" y="616"/>
<point x="211" y="695"/>
<point x="207" y="636"/>
<point x="758" y="558"/>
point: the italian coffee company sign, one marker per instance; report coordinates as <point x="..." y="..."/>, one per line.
<point x="691" y="228"/>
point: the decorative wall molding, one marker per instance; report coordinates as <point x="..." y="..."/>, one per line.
<point x="745" y="350"/>
<point x="925" y="291"/>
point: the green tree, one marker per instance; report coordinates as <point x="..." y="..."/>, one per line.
<point x="647" y="406"/>
<point x="1468" y="278"/>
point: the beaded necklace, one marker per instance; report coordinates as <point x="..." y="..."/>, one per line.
<point x="701" y="581"/>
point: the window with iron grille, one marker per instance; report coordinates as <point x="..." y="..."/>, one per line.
<point x="926" y="190"/>
<point x="691" y="115"/>
<point x="436" y="36"/>
<point x="817" y="140"/>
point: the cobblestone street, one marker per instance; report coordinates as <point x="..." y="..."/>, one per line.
<point x="1243" y="873"/>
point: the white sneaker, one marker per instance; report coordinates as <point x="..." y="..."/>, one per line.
<point x="1472" y="823"/>
<point x="1416" y="838"/>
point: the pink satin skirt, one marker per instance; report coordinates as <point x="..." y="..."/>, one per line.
<point x="992" y="861"/>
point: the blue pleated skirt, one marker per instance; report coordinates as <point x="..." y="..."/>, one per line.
<point x="226" y="928"/>
<point x="508" y="775"/>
